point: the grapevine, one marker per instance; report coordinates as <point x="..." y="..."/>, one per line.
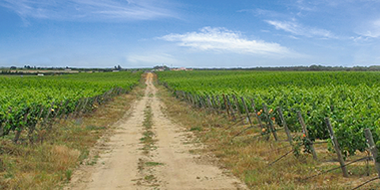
<point x="350" y="99"/>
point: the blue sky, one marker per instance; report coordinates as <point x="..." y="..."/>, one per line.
<point x="192" y="33"/>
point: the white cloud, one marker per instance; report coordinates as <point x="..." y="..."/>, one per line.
<point x="221" y="39"/>
<point x="298" y="29"/>
<point x="93" y="10"/>
<point x="372" y="30"/>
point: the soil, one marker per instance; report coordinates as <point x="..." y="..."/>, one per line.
<point x="124" y="162"/>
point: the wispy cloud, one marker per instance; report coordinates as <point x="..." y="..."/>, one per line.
<point x="221" y="39"/>
<point x="372" y="29"/>
<point x="304" y="6"/>
<point x="93" y="10"/>
<point x="300" y="30"/>
<point x="263" y="12"/>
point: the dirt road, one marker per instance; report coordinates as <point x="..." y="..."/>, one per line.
<point x="149" y="151"/>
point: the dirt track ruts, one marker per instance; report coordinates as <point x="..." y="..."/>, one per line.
<point x="122" y="163"/>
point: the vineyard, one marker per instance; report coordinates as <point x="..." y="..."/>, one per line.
<point x="304" y="103"/>
<point x="33" y="103"/>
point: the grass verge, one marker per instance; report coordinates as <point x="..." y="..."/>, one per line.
<point x="148" y="135"/>
<point x="146" y="167"/>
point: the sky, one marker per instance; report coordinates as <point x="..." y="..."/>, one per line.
<point x="189" y="33"/>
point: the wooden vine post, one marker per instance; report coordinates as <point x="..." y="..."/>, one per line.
<point x="253" y="105"/>
<point x="191" y="98"/>
<point x="218" y="103"/>
<point x="48" y="114"/>
<point x="336" y="147"/>
<point x="226" y="105"/>
<point x="195" y="99"/>
<point x="215" y="106"/>
<point x="188" y="97"/>
<point x="205" y="105"/>
<point x="96" y="100"/>
<point x="65" y="108"/>
<point x="271" y="126"/>
<point x="237" y="105"/>
<point x="304" y="130"/>
<point x="246" y="111"/>
<point x="18" y="132"/>
<point x="185" y="97"/>
<point x="209" y="103"/>
<point x="203" y="102"/>
<point x="213" y="101"/>
<point x="230" y="107"/>
<point x="57" y="110"/>
<point x="176" y="94"/>
<point x="283" y="121"/>
<point x="372" y="148"/>
<point x="200" y="103"/>
<point x="79" y="103"/>
<point x="201" y="99"/>
<point x="84" y="106"/>
<point x="197" y="103"/>
<point x="33" y="127"/>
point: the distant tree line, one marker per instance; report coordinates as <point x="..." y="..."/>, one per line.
<point x="28" y="67"/>
<point x="303" y="68"/>
<point x="18" y="72"/>
<point x="13" y="70"/>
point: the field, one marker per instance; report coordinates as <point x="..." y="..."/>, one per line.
<point x="216" y="129"/>
<point x="26" y="102"/>
<point x="350" y="99"/>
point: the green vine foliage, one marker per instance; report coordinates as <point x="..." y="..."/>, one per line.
<point x="32" y="97"/>
<point x="350" y="99"/>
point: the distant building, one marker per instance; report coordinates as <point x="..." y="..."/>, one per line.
<point x="40" y="75"/>
<point x="161" y="68"/>
<point x="181" y="69"/>
<point x="166" y="68"/>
